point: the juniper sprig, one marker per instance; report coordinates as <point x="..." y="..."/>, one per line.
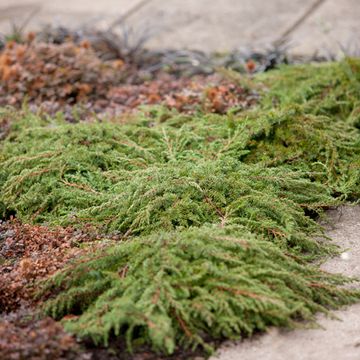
<point x="183" y="287"/>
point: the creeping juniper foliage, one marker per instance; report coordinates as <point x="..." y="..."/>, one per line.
<point x="216" y="213"/>
<point x="176" y="286"/>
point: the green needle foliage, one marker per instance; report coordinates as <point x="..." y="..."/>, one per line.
<point x="326" y="89"/>
<point x="180" y="287"/>
<point x="71" y="187"/>
<point x="214" y="210"/>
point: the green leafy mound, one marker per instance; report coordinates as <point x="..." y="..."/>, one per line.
<point x="327" y="89"/>
<point x="318" y="125"/>
<point x="214" y="209"/>
<point x="70" y="187"/>
<point x="178" y="287"/>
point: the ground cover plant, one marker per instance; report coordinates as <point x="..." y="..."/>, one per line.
<point x="214" y="212"/>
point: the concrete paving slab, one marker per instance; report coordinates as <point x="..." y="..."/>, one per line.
<point x="71" y="13"/>
<point x="335" y="339"/>
<point x="207" y="25"/>
<point x="333" y="25"/>
<point x="219" y="26"/>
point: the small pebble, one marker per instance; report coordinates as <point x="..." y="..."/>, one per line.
<point x="345" y="256"/>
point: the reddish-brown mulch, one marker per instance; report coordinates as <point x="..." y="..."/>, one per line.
<point x="29" y="253"/>
<point x="25" y="337"/>
<point x="72" y="78"/>
<point x="67" y="73"/>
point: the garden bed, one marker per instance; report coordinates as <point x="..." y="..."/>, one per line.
<point x="181" y="224"/>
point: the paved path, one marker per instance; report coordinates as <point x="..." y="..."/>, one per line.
<point x="337" y="339"/>
<point x="209" y="25"/>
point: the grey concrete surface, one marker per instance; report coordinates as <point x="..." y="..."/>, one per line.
<point x="220" y="25"/>
<point x="209" y="25"/>
<point x="334" y="339"/>
<point x="72" y="13"/>
<point x="335" y="24"/>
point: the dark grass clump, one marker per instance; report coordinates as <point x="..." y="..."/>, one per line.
<point x="214" y="210"/>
